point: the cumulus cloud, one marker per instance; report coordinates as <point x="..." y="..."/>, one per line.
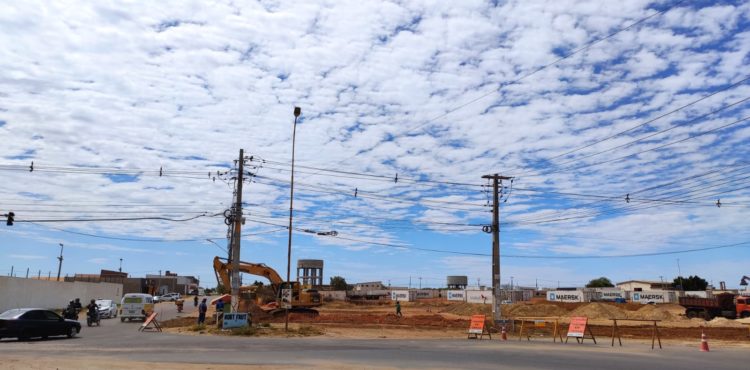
<point x="443" y="92"/>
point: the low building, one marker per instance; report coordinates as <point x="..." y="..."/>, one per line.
<point x="643" y="285"/>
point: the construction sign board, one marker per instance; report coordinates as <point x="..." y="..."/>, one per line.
<point x="577" y="326"/>
<point x="477" y="327"/>
<point x="234" y="320"/>
<point x="578" y="329"/>
<point x="150" y="324"/>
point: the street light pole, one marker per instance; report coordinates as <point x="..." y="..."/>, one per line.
<point x="120" y="265"/>
<point x="297" y="112"/>
<point x="59" y="265"/>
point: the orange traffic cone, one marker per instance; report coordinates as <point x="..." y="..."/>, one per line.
<point x="704" y="342"/>
<point x="504" y="335"/>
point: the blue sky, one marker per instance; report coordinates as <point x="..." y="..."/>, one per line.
<point x="585" y="103"/>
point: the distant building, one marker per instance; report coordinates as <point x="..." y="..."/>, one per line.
<point x="643" y="285"/>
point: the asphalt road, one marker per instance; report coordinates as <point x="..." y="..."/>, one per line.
<point x="123" y="342"/>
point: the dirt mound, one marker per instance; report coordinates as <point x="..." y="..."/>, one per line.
<point x="540" y="310"/>
<point x="653" y="312"/>
<point x="724" y="323"/>
<point x="468" y="309"/>
<point x="597" y="310"/>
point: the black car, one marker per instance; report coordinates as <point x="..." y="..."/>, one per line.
<point x="25" y="323"/>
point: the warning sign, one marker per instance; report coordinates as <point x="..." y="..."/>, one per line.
<point x="477" y="329"/>
<point x="578" y="330"/>
<point x="577" y="326"/>
<point x="477" y="324"/>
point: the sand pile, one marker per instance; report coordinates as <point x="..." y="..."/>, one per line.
<point x="597" y="310"/>
<point x="467" y="309"/>
<point x="542" y="310"/>
<point x="653" y="312"/>
<point x="744" y="321"/>
<point x="725" y="323"/>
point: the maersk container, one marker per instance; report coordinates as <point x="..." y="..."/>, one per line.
<point x="569" y="296"/>
<point x="456" y="295"/>
<point x="403" y="295"/>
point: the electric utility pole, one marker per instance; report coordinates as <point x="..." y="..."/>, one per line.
<point x="236" y="234"/>
<point x="59" y="265"/>
<point x="496" y="182"/>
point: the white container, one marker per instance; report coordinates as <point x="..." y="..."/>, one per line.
<point x="609" y="294"/>
<point x="403" y="295"/>
<point x="652" y="296"/>
<point x="696" y="293"/>
<point x="426" y="293"/>
<point x="457" y="295"/>
<point x="479" y="296"/>
<point x="565" y="296"/>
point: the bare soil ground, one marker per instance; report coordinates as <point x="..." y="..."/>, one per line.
<point x="437" y="318"/>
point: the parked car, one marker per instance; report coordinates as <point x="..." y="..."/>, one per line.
<point x="156" y="299"/>
<point x="170" y="297"/>
<point x="107" y="308"/>
<point x="25" y="323"/>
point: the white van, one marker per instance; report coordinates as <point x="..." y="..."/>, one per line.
<point x="136" y="306"/>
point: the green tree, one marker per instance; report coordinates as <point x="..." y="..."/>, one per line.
<point x="601" y="282"/>
<point x="692" y="282"/>
<point x="338" y="283"/>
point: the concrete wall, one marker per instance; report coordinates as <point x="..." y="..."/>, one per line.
<point x="335" y="295"/>
<point x="20" y="293"/>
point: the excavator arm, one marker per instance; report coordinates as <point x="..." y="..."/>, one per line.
<point x="259" y="269"/>
<point x="744" y="281"/>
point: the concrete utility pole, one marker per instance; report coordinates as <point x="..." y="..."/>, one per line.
<point x="297" y="112"/>
<point x="236" y="234"/>
<point x="496" y="181"/>
<point x="59" y="265"/>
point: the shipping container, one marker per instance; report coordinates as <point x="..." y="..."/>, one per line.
<point x="457" y="295"/>
<point x="426" y="293"/>
<point x="479" y="296"/>
<point x="653" y="296"/>
<point x="608" y="294"/>
<point x="696" y="294"/>
<point x="403" y="295"/>
<point x="567" y="296"/>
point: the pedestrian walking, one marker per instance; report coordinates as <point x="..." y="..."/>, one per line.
<point x="398" y="309"/>
<point x="195" y="301"/>
<point x="202" y="308"/>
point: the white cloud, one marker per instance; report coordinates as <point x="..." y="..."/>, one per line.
<point x="183" y="86"/>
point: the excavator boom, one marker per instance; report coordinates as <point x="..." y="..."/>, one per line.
<point x="300" y="298"/>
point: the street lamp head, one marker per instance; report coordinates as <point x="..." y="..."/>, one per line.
<point x="297" y="111"/>
<point x="60" y="244"/>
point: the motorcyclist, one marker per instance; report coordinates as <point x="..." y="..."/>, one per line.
<point x="70" y="311"/>
<point x="77" y="306"/>
<point x="93" y="311"/>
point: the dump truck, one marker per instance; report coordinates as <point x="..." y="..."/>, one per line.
<point x="725" y="305"/>
<point x="302" y="300"/>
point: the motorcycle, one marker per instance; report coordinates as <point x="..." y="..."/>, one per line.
<point x="70" y="314"/>
<point x="179" y="303"/>
<point x="93" y="318"/>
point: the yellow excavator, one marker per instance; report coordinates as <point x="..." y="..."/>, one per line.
<point x="303" y="300"/>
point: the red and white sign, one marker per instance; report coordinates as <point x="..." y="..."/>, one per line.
<point x="577" y="326"/>
<point x="477" y="324"/>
